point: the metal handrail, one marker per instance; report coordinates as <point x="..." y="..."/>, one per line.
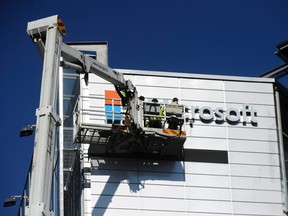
<point x="99" y="113"/>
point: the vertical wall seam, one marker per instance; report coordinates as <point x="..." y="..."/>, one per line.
<point x="228" y="151"/>
<point x="281" y="148"/>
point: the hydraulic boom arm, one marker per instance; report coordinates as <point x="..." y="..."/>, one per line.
<point x="84" y="64"/>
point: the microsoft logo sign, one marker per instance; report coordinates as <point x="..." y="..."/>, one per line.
<point x="233" y="116"/>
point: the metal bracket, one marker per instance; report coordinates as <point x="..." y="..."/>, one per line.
<point x="40" y="208"/>
<point x="86" y="63"/>
<point x="48" y="110"/>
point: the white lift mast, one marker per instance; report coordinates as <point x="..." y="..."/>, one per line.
<point x="48" y="37"/>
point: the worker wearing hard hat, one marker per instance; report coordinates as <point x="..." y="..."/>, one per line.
<point x="174" y="101"/>
<point x="155" y="120"/>
<point x="173" y="121"/>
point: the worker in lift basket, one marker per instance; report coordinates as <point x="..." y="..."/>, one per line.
<point x="173" y="121"/>
<point x="155" y="121"/>
<point x="174" y="101"/>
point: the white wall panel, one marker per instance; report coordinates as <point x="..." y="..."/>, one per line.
<point x="97" y="102"/>
<point x="114" y="189"/>
<point x="155" y="81"/>
<point x="114" y="176"/>
<point x="119" y="202"/>
<point x="202" y="95"/>
<point x="248" y="87"/>
<point x="253" y="146"/>
<point x="207" y="181"/>
<point x="199" y="193"/>
<point x="161" y="178"/>
<point x="255" y="171"/>
<point x="233" y="132"/>
<point x="257" y="196"/>
<point x="137" y="189"/>
<point x="113" y="212"/>
<point x="249" y="97"/>
<point x="161" y="204"/>
<point x="252" y="134"/>
<point x="209" y="206"/>
<point x="159" y="93"/>
<point x="209" y="214"/>
<point x="100" y="87"/>
<point x="206" y="131"/>
<point x="255" y="183"/>
<point x="254" y="158"/>
<point x="162" y="191"/>
<point x="161" y="213"/>
<point x="206" y="168"/>
<point x="207" y="143"/>
<point x="201" y="84"/>
<point x="257" y="208"/>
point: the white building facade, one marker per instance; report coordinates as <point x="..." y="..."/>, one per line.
<point x="233" y="157"/>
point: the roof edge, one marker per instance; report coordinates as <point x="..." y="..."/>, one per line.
<point x="195" y="76"/>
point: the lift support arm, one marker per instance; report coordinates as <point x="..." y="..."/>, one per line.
<point x="85" y="64"/>
<point x="82" y="63"/>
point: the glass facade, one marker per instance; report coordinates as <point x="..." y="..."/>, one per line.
<point x="71" y="160"/>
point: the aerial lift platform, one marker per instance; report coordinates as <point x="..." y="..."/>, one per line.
<point x="153" y="137"/>
<point x="131" y="135"/>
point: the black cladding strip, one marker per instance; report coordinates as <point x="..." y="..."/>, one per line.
<point x="207" y="156"/>
<point x="192" y="155"/>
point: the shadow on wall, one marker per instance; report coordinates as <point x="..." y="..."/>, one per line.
<point x="118" y="182"/>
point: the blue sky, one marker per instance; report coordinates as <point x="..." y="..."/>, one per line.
<point x="225" y="37"/>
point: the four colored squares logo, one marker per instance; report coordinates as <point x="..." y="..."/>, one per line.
<point x="112" y="107"/>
